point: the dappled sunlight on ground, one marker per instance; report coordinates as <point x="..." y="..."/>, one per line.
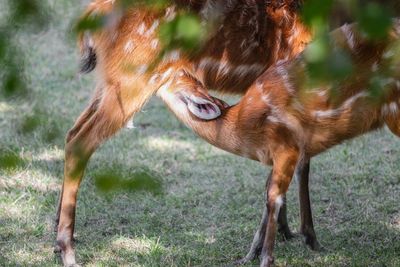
<point x="53" y="154"/>
<point x="165" y="144"/>
<point x="30" y="255"/>
<point x="5" y="107"/>
<point x="137" y="245"/>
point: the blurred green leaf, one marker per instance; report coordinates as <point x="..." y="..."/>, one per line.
<point x="318" y="50"/>
<point x="315" y="11"/>
<point x="52" y="132"/>
<point x="32" y="13"/>
<point x="13" y="84"/>
<point x="3" y="45"/>
<point x="110" y="180"/>
<point x="184" y="31"/>
<point x="142" y="181"/>
<point x="107" y="181"/>
<point x="30" y="123"/>
<point x="375" y="20"/>
<point x="325" y="63"/>
<point x="10" y="159"/>
<point x="90" y="23"/>
<point x="157" y="4"/>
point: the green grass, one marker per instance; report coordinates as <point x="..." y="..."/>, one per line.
<point x="211" y="201"/>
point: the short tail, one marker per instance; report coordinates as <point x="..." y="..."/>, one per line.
<point x="88" y="53"/>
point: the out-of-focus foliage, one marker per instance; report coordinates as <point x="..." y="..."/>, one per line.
<point x="10" y="159"/>
<point x="108" y="181"/>
<point x="184" y="32"/>
<point x="18" y="15"/>
<point x="327" y="64"/>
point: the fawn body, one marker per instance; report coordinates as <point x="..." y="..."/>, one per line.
<point x="282" y="121"/>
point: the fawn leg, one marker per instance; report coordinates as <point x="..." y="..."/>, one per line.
<point x="283" y="226"/>
<point x="284" y="165"/>
<point x="306" y="225"/>
<point x="258" y="239"/>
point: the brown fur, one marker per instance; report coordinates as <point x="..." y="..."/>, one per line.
<point x="283" y="121"/>
<point x="253" y="35"/>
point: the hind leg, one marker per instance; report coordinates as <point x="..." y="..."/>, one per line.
<point x="104" y="117"/>
<point x="80" y="122"/>
<point x="258" y="239"/>
<point x="393" y="123"/>
<point x="306" y="225"/>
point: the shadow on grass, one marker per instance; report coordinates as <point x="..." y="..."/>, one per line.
<point x="204" y="218"/>
<point x="210" y="223"/>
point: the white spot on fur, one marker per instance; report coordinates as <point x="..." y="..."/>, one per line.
<point x="348" y="33"/>
<point x="163" y="90"/>
<point x="387" y="81"/>
<point x="213" y="11"/>
<point x="224" y="68"/>
<point x="114" y="36"/>
<point x="390" y="109"/>
<point x="141" y="28"/>
<point x="278" y="205"/>
<point x="322" y="93"/>
<point x="154" y="43"/>
<point x="374" y="67"/>
<point x="172" y="56"/>
<point x="273" y="119"/>
<point x="260" y="86"/>
<point x="130" y="124"/>
<point x="244" y="70"/>
<point x="153" y="27"/>
<point x="166" y="74"/>
<point x="266" y="99"/>
<point x="170" y="13"/>
<point x="336" y="112"/>
<point x="393" y="107"/>
<point x="154" y="78"/>
<point x="297" y="105"/>
<point x="388" y="54"/>
<point x="281" y="70"/>
<point x="142" y="69"/>
<point x="129" y="47"/>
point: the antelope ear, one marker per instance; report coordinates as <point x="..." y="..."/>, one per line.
<point x="202" y="108"/>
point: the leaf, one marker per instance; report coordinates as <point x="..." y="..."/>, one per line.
<point x="184" y="31"/>
<point x="375" y="20"/>
<point x="111" y="180"/>
<point x="10" y="159"/>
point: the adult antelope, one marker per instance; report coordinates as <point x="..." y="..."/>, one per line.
<point x="283" y="121"/>
<point x="251" y="36"/>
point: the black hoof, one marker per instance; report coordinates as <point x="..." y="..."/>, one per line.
<point x="57" y="249"/>
<point x="286" y="234"/>
<point x="313" y="243"/>
<point x="242" y="261"/>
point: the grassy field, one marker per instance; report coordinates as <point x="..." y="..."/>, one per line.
<point x="211" y="201"/>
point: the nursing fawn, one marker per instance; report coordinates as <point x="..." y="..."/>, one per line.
<point x="283" y="120"/>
